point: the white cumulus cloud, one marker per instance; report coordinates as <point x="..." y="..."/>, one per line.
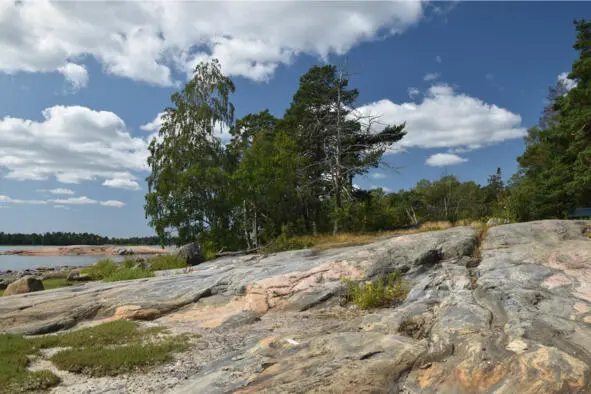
<point x="384" y="188"/>
<point x="447" y="119"/>
<point x="413" y="92"/>
<point x="72" y="144"/>
<point x="444" y="159"/>
<point x="113" y="203"/>
<point x="61" y="191"/>
<point x="569" y="84"/>
<point x="82" y="200"/>
<point x="75" y="74"/>
<point x="431" y="76"/>
<point x="151" y="41"/>
<point x="8" y="200"/>
<point x="124" y="182"/>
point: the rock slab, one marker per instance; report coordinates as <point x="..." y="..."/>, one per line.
<point x="512" y="315"/>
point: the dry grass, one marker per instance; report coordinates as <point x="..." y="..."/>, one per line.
<point x="330" y="241"/>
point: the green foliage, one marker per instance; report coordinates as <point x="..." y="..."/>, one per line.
<point x="109" y="271"/>
<point x="128" y="273"/>
<point x="67" y="238"/>
<point x="101" y="269"/>
<point x="56" y="283"/>
<point x="384" y="291"/>
<point x="166" y="262"/>
<point x="554" y="174"/>
<point x="109" y="361"/>
<point x="106" y="349"/>
<point x="14" y="375"/>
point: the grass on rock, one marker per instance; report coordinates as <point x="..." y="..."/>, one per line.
<point x="166" y="262"/>
<point x="384" y="291"/>
<point x="106" y="349"/>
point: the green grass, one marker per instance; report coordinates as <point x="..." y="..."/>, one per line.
<point x="101" y="269"/>
<point x="110" y="361"/>
<point x="166" y="262"/>
<point x="106" y="349"/>
<point x="382" y="292"/>
<point x="56" y="283"/>
<point x="127" y="274"/>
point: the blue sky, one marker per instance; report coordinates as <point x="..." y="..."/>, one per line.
<point x="81" y="82"/>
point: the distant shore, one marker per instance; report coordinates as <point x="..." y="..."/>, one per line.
<point x="87" y="250"/>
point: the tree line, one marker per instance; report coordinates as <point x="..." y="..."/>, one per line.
<point x="294" y="174"/>
<point x="68" y="238"/>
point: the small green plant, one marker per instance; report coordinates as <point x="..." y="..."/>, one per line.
<point x="105" y="349"/>
<point x="127" y="274"/>
<point x="382" y="292"/>
<point x="166" y="262"/>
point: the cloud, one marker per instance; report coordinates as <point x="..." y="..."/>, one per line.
<point x="153" y="41"/>
<point x="413" y="92"/>
<point x="122" y="183"/>
<point x="444" y="159"/>
<point x="113" y="203"/>
<point x="431" y="76"/>
<point x="72" y="144"/>
<point x="58" y="191"/>
<point x="438" y="59"/>
<point x="377" y="175"/>
<point x="447" y="119"/>
<point x="61" y="207"/>
<point x="568" y="84"/>
<point x="75" y="74"/>
<point x="83" y="200"/>
<point x="9" y="200"/>
<point x="384" y="188"/>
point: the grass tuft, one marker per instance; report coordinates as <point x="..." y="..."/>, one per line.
<point x="127" y="274"/>
<point x="101" y="269"/>
<point x="166" y="262"/>
<point x="382" y="292"/>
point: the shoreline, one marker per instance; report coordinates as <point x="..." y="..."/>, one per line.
<point x="87" y="250"/>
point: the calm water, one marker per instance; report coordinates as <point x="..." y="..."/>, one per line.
<point x="15" y="262"/>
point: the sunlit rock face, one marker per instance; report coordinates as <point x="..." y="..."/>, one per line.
<point x="511" y="315"/>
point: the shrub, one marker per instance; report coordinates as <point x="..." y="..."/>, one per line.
<point x="382" y="292"/>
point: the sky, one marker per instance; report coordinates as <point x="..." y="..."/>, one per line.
<point x="82" y="85"/>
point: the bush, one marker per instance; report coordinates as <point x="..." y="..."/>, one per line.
<point x="383" y="292"/>
<point x="166" y="262"/>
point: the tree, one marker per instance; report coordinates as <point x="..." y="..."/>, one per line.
<point x="555" y="171"/>
<point x="337" y="141"/>
<point x="189" y="185"/>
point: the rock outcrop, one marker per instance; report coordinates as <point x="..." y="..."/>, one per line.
<point x="26" y="284"/>
<point x="512" y="315"/>
<point x="191" y="253"/>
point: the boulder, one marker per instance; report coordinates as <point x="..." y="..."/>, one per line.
<point x="191" y="253"/>
<point x="26" y="284"/>
<point x="125" y="251"/>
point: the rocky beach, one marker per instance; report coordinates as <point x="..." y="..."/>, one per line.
<point x="504" y="311"/>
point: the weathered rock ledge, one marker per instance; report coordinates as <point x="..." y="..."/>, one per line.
<point x="517" y="322"/>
